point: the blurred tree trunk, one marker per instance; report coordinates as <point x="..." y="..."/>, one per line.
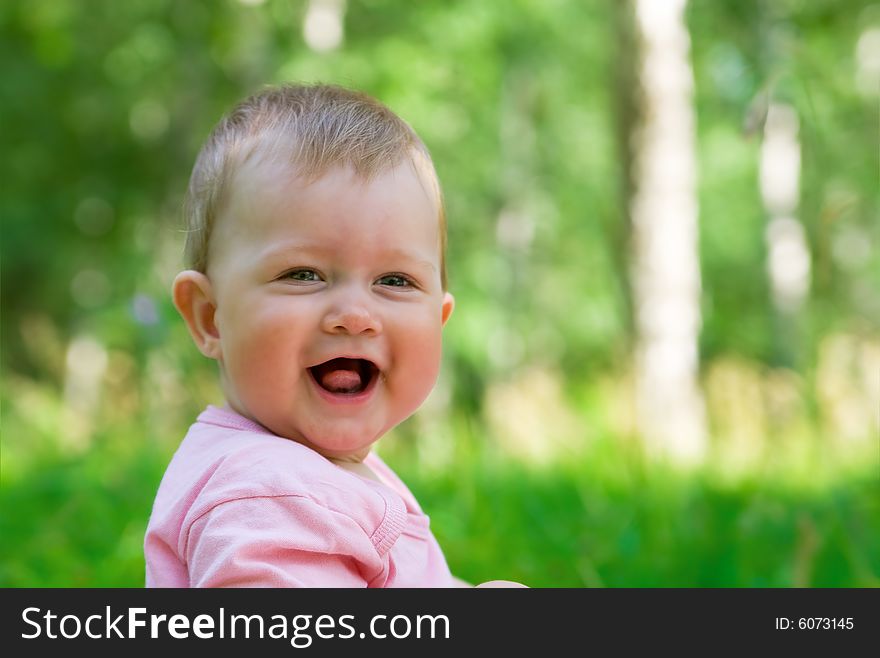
<point x="665" y="272"/>
<point x="788" y="256"/>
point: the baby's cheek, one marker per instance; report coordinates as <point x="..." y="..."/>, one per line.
<point x="424" y="364"/>
<point x="261" y="361"/>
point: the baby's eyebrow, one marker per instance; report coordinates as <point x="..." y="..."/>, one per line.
<point x="403" y="254"/>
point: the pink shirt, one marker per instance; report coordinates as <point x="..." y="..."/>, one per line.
<point x="241" y="507"/>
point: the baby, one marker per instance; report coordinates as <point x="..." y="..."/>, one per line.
<point x="317" y="281"/>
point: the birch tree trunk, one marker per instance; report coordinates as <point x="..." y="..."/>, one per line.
<point x="665" y="259"/>
<point x="788" y="263"/>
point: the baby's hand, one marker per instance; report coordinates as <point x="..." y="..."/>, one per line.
<point x="502" y="583"/>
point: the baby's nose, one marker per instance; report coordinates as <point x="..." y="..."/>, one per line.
<point x="352" y="319"/>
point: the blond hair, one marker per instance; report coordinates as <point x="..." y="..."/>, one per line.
<point x="314" y="128"/>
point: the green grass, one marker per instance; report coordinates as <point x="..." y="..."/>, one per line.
<point x="574" y="531"/>
<point x="596" y="521"/>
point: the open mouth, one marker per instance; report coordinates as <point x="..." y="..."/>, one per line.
<point x="345" y="376"/>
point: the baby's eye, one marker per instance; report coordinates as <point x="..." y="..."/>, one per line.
<point x="394" y="281"/>
<point x="304" y="275"/>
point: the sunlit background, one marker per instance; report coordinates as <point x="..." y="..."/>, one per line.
<point x="664" y="220"/>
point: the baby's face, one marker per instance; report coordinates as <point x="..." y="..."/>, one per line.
<point x="329" y="305"/>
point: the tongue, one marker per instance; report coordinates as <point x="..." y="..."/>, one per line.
<point x="341" y="381"/>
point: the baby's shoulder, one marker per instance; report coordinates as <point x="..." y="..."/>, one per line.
<point x="249" y="465"/>
<point x="270" y="462"/>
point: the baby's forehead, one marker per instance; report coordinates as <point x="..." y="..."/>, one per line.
<point x="263" y="190"/>
<point x="265" y="197"/>
<point x="272" y="178"/>
<point x="265" y="176"/>
<point x="275" y="213"/>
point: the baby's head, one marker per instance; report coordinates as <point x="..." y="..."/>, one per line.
<point x="317" y="278"/>
<point x="310" y="129"/>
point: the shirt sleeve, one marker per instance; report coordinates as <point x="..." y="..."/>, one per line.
<point x="280" y="541"/>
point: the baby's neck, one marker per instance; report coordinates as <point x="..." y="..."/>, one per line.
<point x="356" y="467"/>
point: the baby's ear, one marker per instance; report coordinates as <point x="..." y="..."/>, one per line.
<point x="448" y="305"/>
<point x="194" y="298"/>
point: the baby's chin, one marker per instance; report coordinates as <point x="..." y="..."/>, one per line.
<point x="335" y="439"/>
